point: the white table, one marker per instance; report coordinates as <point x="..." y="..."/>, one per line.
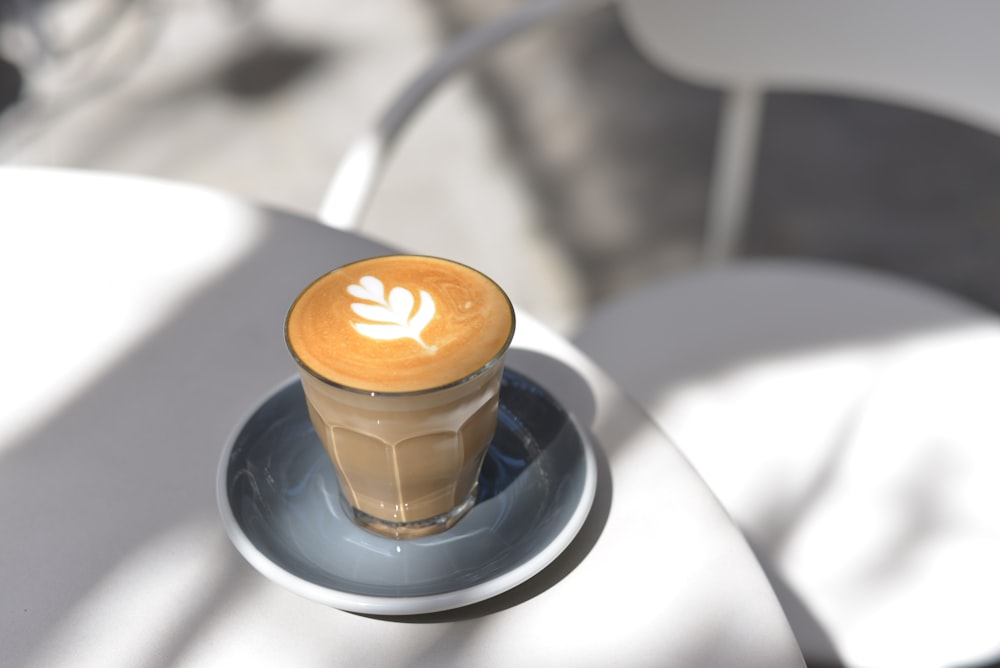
<point x="143" y="321"/>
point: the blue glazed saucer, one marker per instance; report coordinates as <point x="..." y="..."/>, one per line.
<point x="281" y="506"/>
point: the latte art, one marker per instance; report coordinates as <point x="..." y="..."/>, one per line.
<point x="392" y="318"/>
<point x="399" y="324"/>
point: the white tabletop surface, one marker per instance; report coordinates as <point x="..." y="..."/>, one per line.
<point x="143" y="321"/>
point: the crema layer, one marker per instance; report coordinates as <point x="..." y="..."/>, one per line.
<point x="399" y="323"/>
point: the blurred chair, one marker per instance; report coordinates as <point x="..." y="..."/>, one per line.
<point x="842" y="417"/>
<point x="845" y="418"/>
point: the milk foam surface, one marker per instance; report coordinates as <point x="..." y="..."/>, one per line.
<point x="399" y="324"/>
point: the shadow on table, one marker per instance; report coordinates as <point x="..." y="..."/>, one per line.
<point x="121" y="476"/>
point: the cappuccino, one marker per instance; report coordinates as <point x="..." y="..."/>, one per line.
<point x="401" y="359"/>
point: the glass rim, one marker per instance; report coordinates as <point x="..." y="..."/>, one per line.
<point x="481" y="370"/>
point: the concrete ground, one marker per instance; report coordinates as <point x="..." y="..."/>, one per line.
<point x="568" y="168"/>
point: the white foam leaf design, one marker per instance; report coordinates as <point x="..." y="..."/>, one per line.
<point x="369" y="288"/>
<point x="393" y="317"/>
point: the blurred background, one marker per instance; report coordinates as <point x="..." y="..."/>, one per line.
<point x="567" y="167"/>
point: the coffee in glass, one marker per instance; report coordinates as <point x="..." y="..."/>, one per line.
<point x="401" y="359"/>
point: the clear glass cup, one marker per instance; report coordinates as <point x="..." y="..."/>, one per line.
<point x="407" y="457"/>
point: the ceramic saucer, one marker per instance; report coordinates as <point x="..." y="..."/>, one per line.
<point x="282" y="508"/>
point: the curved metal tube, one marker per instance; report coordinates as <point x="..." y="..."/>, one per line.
<point x="357" y="175"/>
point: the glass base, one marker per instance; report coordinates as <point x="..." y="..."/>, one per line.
<point x="416" y="528"/>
